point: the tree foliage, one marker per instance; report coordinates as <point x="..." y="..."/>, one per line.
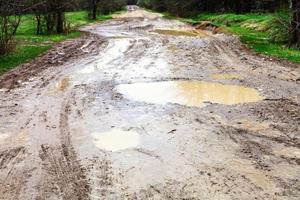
<point x="294" y="40"/>
<point x="188" y="7"/>
<point x="285" y="29"/>
<point x="10" y="18"/>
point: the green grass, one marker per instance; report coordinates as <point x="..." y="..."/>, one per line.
<point x="254" y="31"/>
<point x="22" y="54"/>
<point x="31" y="45"/>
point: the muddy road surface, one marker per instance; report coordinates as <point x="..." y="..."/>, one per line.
<point x="142" y="107"/>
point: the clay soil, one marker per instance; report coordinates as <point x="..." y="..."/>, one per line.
<point x="52" y="107"/>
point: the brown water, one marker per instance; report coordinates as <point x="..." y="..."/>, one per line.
<point x="63" y="84"/>
<point x="116" y="140"/>
<point x="189" y="93"/>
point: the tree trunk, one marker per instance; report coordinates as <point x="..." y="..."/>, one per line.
<point x="238" y="7"/>
<point x="38" y="25"/>
<point x="59" y="22"/>
<point x="95" y="11"/>
<point x="295" y="24"/>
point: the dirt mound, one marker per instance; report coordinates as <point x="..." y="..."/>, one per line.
<point x="188" y="33"/>
<point x="209" y="26"/>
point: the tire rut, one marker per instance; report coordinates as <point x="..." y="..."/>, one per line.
<point x="13" y="177"/>
<point x="62" y="165"/>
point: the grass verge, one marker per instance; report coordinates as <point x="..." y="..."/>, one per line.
<point x="30" y="45"/>
<point x="254" y="30"/>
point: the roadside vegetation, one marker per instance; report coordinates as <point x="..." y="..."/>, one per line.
<point x="265" y="33"/>
<point x="29" y="29"/>
<point x="268" y="27"/>
<point x="29" y="45"/>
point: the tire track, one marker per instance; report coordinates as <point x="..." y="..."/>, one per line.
<point x="66" y="175"/>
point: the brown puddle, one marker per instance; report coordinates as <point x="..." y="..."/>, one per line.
<point x="116" y="140"/>
<point x="189" y="33"/>
<point x="189" y="93"/>
<point x="225" y="76"/>
<point x="63" y="84"/>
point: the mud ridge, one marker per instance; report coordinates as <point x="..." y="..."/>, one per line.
<point x="61" y="53"/>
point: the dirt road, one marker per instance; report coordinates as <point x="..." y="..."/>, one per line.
<point x="143" y="107"/>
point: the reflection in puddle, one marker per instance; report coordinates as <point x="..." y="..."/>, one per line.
<point x="189" y="33"/>
<point x="225" y="76"/>
<point x="190" y="93"/>
<point x="116" y="140"/>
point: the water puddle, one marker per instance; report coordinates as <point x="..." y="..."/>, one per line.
<point x="116" y="140"/>
<point x="188" y="33"/>
<point x="189" y="93"/>
<point x="225" y="76"/>
<point x="63" y="84"/>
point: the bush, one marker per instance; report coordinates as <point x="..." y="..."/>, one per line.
<point x="144" y="3"/>
<point x="279" y="28"/>
<point x="108" y="6"/>
<point x="131" y="2"/>
<point x="8" y="29"/>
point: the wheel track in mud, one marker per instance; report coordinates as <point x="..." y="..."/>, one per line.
<point x="13" y="177"/>
<point x="61" y="163"/>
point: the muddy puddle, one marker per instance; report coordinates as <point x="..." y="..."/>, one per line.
<point x="116" y="140"/>
<point x="63" y="84"/>
<point x="188" y="33"/>
<point x="189" y="93"/>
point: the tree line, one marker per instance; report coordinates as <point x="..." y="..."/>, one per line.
<point x="188" y="7"/>
<point x="185" y="8"/>
<point x="49" y="16"/>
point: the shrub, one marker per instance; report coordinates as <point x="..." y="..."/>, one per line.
<point x="279" y="28"/>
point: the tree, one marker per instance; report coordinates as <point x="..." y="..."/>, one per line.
<point x="131" y="2"/>
<point x="50" y="15"/>
<point x="10" y="18"/>
<point x="294" y="40"/>
<point x="93" y="9"/>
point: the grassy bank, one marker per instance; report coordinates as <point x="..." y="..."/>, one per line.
<point x="30" y="45"/>
<point x="254" y="30"/>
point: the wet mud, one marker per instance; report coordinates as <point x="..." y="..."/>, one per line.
<point x="127" y="113"/>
